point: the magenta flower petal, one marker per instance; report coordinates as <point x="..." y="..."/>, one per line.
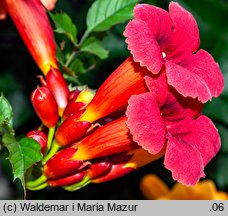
<point x="185" y="35"/>
<point x="196" y="76"/>
<point x="157" y="20"/>
<point x="191" y="145"/>
<point x="145" y="122"/>
<point x="158" y="86"/>
<point x="145" y="34"/>
<point x="204" y="136"/>
<point x="184" y="161"/>
<point x="147" y="54"/>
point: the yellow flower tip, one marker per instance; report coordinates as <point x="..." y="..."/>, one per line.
<point x="85" y="96"/>
<point x="45" y="66"/>
<point x="142" y="157"/>
<point x="153" y="187"/>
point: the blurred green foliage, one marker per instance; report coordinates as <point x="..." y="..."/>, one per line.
<point x="18" y="79"/>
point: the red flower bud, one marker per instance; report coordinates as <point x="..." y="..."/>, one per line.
<point x="69" y="180"/>
<point x="77" y="103"/>
<point x="98" y="169"/>
<point x="71" y="130"/>
<point x="117" y="169"/>
<point x="73" y="94"/>
<point x="45" y="106"/>
<point x="40" y="137"/>
<point x="127" y="162"/>
<point x="62" y="164"/>
<point x="58" y="87"/>
<point x="72" y="108"/>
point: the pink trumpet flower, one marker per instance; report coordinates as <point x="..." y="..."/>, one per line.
<point x="159" y="39"/>
<point x="171" y="120"/>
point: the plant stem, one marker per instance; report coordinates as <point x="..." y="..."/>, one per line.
<point x="69" y="60"/>
<point x="51" y="133"/>
<point x="78" y="185"/>
<point x="86" y="34"/>
<point x="33" y="184"/>
<point x="54" y="148"/>
<point x="40" y="187"/>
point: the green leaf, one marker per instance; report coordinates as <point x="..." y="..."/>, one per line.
<point x="22" y="154"/>
<point x="6" y="115"/>
<point x="77" y="66"/>
<point x="104" y="13"/>
<point x="217" y="170"/>
<point x="94" y="46"/>
<point x="64" y="25"/>
<point x="223" y="131"/>
<point x="217" y="109"/>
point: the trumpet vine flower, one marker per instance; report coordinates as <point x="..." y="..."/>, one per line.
<point x="153" y="102"/>
<point x="29" y="16"/>
<point x="171" y="120"/>
<point x="159" y="39"/>
<point x="107" y="153"/>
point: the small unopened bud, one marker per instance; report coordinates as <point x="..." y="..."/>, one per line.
<point x="98" y="169"/>
<point x="40" y="137"/>
<point x="45" y="106"/>
<point x="71" y="130"/>
<point x="62" y="164"/>
<point x="69" y="180"/>
<point x="77" y="103"/>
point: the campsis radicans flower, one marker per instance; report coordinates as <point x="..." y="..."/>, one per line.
<point x="114" y="93"/>
<point x="157" y="38"/>
<point x="106" y="154"/>
<point x="126" y="80"/>
<point x="171" y="120"/>
<point x="45" y="106"/>
<point x="48" y="4"/>
<point x="40" y="137"/>
<point x="28" y="17"/>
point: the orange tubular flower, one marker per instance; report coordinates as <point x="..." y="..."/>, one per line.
<point x="28" y="16"/>
<point x="106" y="154"/>
<point x="125" y="81"/>
<point x="107" y="140"/>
